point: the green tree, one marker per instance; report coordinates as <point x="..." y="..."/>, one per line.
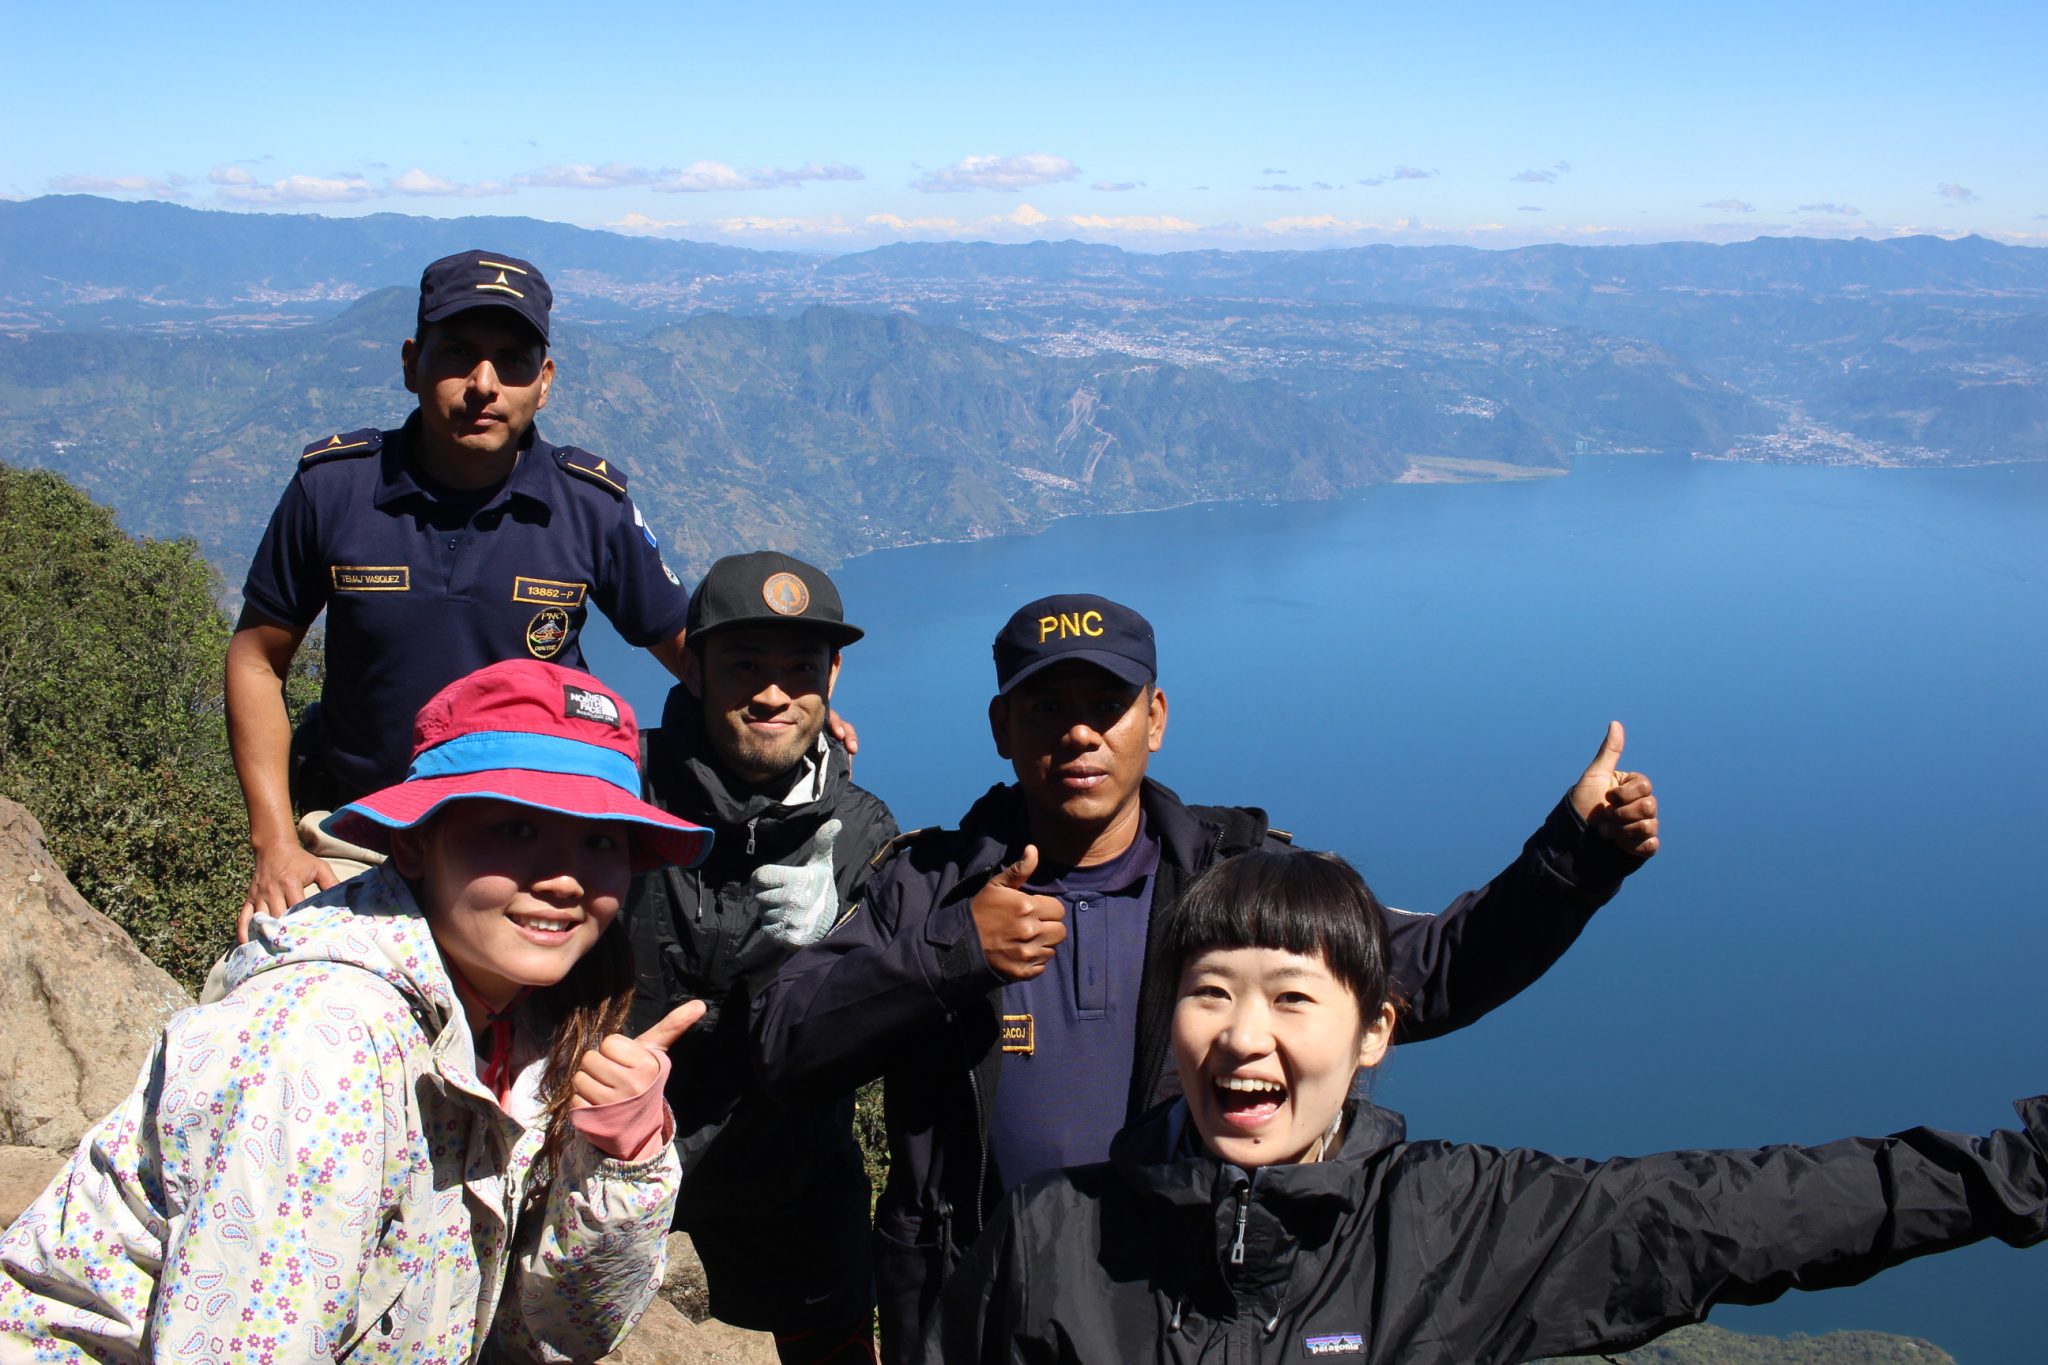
<point x="111" y="718"/>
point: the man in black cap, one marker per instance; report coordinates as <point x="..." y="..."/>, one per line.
<point x="999" y="976"/>
<point x="460" y="539"/>
<point x="775" y="1197"/>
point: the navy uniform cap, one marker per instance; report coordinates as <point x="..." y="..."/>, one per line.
<point x="485" y="279"/>
<point x="768" y="588"/>
<point x="1075" y="625"/>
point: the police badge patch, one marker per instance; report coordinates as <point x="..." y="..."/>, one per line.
<point x="547" y="632"/>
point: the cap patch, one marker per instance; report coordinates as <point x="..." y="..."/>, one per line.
<point x="547" y="632"/>
<point x="580" y="703"/>
<point x="785" y="594"/>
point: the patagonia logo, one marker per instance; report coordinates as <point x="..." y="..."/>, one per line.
<point x="580" y="703"/>
<point x="546" y="592"/>
<point x="1020" y="1035"/>
<point x="370" y="577"/>
<point x="1068" y="624"/>
<point x="1334" y="1344"/>
<point x="547" y="632"/>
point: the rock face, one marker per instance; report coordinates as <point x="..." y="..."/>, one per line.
<point x="80" y="1006"/>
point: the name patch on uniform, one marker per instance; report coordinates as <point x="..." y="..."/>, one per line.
<point x="1334" y="1344"/>
<point x="546" y="592"/>
<point x="547" y="632"/>
<point x="371" y="577"/>
<point x="580" y="703"/>
<point x="1019" y="1034"/>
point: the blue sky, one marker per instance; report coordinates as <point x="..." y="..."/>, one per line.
<point x="1151" y="126"/>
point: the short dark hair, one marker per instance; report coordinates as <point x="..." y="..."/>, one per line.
<point x="1293" y="900"/>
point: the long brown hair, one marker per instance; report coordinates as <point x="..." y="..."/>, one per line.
<point x="576" y="1014"/>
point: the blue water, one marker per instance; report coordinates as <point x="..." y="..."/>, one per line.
<point x="1834" y="677"/>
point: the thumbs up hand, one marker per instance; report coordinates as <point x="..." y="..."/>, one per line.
<point x="1018" y="931"/>
<point x="799" y="903"/>
<point x="617" y="1104"/>
<point x="1619" y="806"/>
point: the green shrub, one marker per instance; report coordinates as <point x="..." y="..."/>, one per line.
<point x="112" y="719"/>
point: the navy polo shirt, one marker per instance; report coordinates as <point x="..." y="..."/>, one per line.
<point x="1070" y="1033"/>
<point x="422" y="585"/>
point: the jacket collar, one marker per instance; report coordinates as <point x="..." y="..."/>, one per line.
<point x="999" y="820"/>
<point x="398" y="479"/>
<point x="687" y="776"/>
<point x="1161" y="1157"/>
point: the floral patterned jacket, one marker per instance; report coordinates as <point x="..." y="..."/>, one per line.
<point x="310" y="1169"/>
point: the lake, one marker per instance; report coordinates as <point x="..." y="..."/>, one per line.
<point x="1833" y="676"/>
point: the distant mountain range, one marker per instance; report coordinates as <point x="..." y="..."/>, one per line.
<point x="173" y="361"/>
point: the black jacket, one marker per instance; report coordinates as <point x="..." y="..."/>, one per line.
<point x="900" y="988"/>
<point x="1429" y="1253"/>
<point x="696" y="934"/>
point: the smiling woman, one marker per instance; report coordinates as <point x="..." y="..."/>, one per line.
<point x="1271" y="1214"/>
<point x="278" y="1184"/>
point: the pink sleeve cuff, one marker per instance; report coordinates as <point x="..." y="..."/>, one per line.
<point x="631" y="1129"/>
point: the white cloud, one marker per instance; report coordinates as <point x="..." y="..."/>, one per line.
<point x="611" y="175"/>
<point x="1280" y="189"/>
<point x="166" y="187"/>
<point x="708" y="177"/>
<point x="1413" y="173"/>
<point x="1528" y="208"/>
<point x="1021" y="216"/>
<point x="755" y="226"/>
<point x="1962" y="194"/>
<point x="230" y="175"/>
<point x="1535" y="177"/>
<point x="1007" y="173"/>
<point x="1729" y="206"/>
<point x="1840" y="210"/>
<point x="1167" y="223"/>
<point x="417" y="182"/>
<point x="1117" y="186"/>
<point x="303" y="189"/>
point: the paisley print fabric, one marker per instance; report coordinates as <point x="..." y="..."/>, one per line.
<point x="310" y="1169"/>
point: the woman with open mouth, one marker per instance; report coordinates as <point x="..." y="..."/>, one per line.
<point x="412" y="1129"/>
<point x="1271" y="1213"/>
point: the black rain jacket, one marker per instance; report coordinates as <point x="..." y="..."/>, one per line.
<point x="900" y="989"/>
<point x="1430" y="1253"/>
<point x="696" y="934"/>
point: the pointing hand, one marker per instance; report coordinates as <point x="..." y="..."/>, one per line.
<point x="799" y="903"/>
<point x="1018" y="931"/>
<point x="1618" y="806"/>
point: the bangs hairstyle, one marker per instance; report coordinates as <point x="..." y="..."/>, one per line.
<point x="1313" y="904"/>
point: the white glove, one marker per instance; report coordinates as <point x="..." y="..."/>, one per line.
<point x="798" y="904"/>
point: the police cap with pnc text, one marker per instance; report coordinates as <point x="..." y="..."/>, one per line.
<point x="1075" y="626"/>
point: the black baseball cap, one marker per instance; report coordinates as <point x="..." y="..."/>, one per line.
<point x="1075" y="625"/>
<point x="768" y="588"/>
<point x="485" y="279"/>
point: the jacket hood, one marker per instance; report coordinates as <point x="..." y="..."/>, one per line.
<point x="371" y="922"/>
<point x="689" y="776"/>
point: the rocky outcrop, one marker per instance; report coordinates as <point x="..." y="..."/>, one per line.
<point x="80" y="1006"/>
<point x="675" y="1330"/>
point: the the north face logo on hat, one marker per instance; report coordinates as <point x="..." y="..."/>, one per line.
<point x="580" y="703"/>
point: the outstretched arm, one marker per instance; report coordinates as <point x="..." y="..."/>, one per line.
<point x="1582" y="1256"/>
<point x="1490" y="944"/>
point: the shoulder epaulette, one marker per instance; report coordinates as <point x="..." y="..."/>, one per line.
<point x="597" y="469"/>
<point x="901" y="841"/>
<point x="368" y="441"/>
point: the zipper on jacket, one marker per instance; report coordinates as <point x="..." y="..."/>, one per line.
<point x="981" y="1133"/>
<point x="1244" y="1213"/>
<point x="750" y="832"/>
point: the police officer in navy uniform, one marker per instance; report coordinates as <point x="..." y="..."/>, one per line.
<point x="461" y="539"/>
